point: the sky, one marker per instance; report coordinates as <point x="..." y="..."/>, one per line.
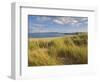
<point x="62" y="24"/>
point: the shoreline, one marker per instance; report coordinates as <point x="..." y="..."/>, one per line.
<point x="49" y="38"/>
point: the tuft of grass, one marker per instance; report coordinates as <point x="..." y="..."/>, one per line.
<point x="40" y="57"/>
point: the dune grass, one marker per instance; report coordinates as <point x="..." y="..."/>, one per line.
<point x="58" y="51"/>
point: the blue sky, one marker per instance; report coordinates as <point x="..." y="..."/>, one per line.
<point x="63" y="24"/>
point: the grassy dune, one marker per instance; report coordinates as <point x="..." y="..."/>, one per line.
<point x="58" y="51"/>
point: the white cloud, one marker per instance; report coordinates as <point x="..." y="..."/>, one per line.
<point x="84" y="19"/>
<point x="68" y="20"/>
<point x="58" y="21"/>
<point x="37" y="25"/>
<point x="38" y="28"/>
<point x="43" y="18"/>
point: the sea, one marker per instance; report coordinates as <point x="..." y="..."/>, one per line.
<point x="44" y="35"/>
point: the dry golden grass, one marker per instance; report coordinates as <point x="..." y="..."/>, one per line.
<point x="58" y="51"/>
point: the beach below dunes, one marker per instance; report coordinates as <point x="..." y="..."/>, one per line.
<point x="50" y="38"/>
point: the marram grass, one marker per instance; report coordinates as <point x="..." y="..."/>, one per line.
<point x="58" y="51"/>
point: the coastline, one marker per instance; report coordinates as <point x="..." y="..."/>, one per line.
<point x="49" y="38"/>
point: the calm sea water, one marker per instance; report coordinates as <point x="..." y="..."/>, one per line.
<point x="45" y="35"/>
